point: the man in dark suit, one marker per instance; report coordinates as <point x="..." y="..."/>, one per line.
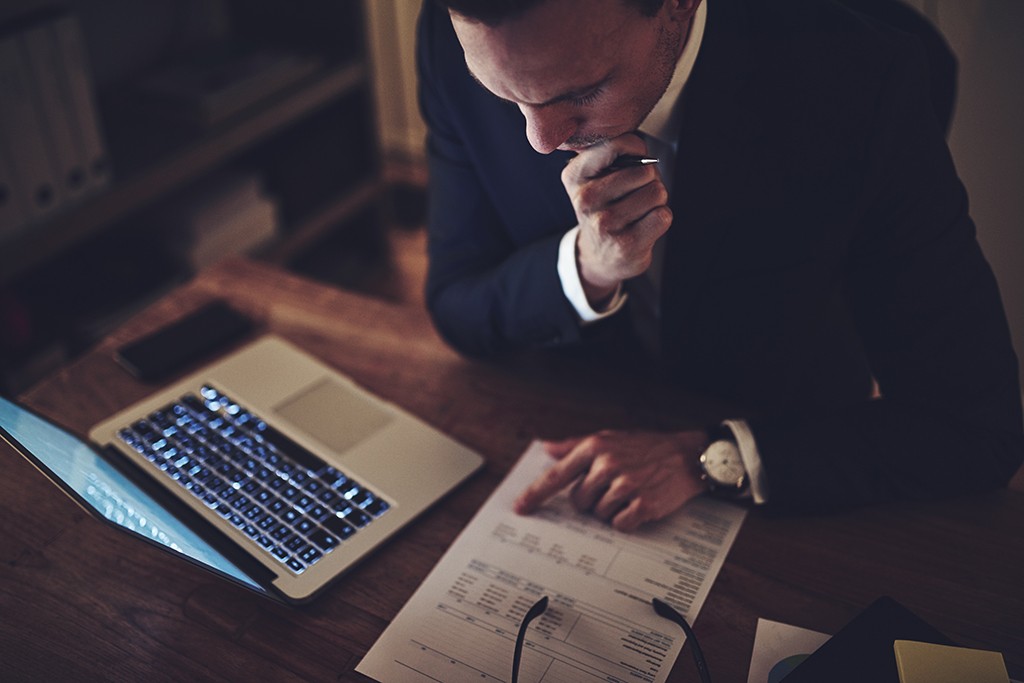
<point x="802" y="248"/>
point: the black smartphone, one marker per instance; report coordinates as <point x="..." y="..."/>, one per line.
<point x="169" y="349"/>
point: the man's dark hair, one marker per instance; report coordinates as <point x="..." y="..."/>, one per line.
<point x="494" y="12"/>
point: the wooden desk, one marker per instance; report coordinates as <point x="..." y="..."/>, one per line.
<point x="80" y="601"/>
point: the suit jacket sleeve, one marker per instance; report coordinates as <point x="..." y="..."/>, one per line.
<point x="489" y="287"/>
<point x="929" y="314"/>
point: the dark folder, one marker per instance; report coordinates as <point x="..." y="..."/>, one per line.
<point x="863" y="649"/>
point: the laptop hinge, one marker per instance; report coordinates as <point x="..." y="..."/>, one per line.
<point x="220" y="541"/>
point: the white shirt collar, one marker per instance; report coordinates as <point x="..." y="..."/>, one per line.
<point x="661" y="122"/>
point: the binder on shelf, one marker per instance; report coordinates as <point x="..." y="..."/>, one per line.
<point x="24" y="136"/>
<point x="45" y="70"/>
<point x="76" y="78"/>
<point x="12" y="214"/>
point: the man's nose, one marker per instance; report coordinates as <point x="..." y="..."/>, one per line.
<point x="548" y="127"/>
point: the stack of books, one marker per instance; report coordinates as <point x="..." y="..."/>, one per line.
<point x="228" y="214"/>
<point x="52" y="150"/>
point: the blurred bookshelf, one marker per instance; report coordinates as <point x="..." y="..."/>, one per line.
<point x="294" y="113"/>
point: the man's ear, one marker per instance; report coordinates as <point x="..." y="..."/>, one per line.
<point x="682" y="10"/>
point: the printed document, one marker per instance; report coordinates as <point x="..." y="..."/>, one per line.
<point x="461" y="624"/>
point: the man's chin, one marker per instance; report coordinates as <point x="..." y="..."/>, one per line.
<point x="580" y="145"/>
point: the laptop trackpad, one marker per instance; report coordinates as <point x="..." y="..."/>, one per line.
<point x="334" y="414"/>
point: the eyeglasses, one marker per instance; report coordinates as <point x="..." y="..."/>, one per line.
<point x="663" y="609"/>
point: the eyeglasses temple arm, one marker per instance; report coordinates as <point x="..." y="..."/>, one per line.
<point x="538" y="609"/>
<point x="666" y="610"/>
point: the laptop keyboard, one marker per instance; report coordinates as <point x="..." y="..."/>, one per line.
<point x="283" y="498"/>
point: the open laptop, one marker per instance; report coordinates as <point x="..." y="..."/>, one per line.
<point x="266" y="467"/>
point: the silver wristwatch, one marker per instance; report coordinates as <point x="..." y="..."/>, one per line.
<point x="722" y="467"/>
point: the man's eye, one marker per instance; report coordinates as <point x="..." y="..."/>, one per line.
<point x="584" y="100"/>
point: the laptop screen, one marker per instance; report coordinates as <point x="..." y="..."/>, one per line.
<point x="102" y="487"/>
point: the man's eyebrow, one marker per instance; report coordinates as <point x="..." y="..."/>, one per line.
<point x="575" y="93"/>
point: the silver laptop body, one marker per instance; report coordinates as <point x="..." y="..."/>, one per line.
<point x="380" y="467"/>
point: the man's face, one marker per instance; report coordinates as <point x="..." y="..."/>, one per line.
<point x="580" y="71"/>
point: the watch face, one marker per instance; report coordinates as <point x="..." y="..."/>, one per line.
<point x="723" y="464"/>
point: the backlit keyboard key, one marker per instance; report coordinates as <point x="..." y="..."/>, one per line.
<point x="272" y="490"/>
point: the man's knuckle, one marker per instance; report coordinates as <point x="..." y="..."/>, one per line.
<point x="597" y="440"/>
<point x="629" y="482"/>
<point x="603" y="469"/>
<point x="570" y="175"/>
<point x="660" y="193"/>
<point x="643" y="509"/>
<point x="662" y="216"/>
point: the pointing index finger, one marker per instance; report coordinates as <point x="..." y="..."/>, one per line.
<point x="553" y="480"/>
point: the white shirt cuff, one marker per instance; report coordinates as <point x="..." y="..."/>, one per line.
<point x="569" y="274"/>
<point x="751" y="459"/>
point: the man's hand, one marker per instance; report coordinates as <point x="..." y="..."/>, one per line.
<point x="620" y="214"/>
<point x="626" y="478"/>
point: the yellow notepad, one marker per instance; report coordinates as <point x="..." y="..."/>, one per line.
<point x="928" y="663"/>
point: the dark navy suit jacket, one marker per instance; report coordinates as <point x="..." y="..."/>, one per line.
<point x="821" y="237"/>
